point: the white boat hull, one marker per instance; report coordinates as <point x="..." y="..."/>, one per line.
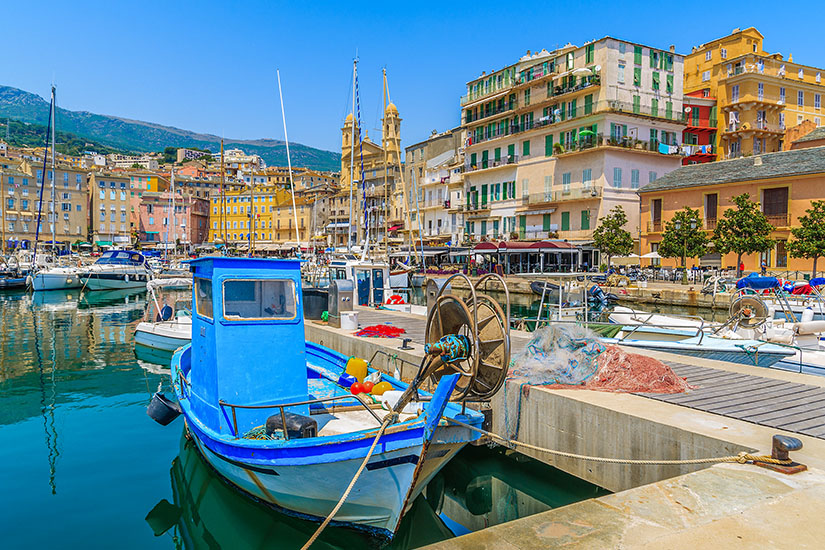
<point x="113" y="281"/>
<point x="312" y="490"/>
<point x="166" y="336"/>
<point x="56" y="280"/>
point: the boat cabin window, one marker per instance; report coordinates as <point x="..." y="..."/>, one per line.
<point x="120" y="257"/>
<point x="259" y="299"/>
<point x="337" y="273"/>
<point x="203" y="297"/>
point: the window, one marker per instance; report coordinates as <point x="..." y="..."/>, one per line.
<point x="708" y="55"/>
<point x="637" y="76"/>
<point x="634" y="179"/>
<point x="760" y="91"/>
<point x="565" y="182"/>
<point x="565" y="221"/>
<point x="800" y="98"/>
<point x="570" y="61"/>
<point x="781" y="95"/>
<point x="525" y="148"/>
<point x="734" y="93"/>
<point x="263" y="299"/>
<point x="706" y="75"/>
<point x="651" y="177"/>
<point x="617" y="177"/>
<point x="102" y="193"/>
<point x="527" y="96"/>
<point x="585" y="219"/>
<point x="620" y="75"/>
<point x="669" y="84"/>
<point x="818" y="78"/>
<point x="203" y="297"/>
<point x="548" y="145"/>
<point x="637" y="104"/>
<point x="525" y="186"/>
<point x="817" y="101"/>
<point x="622" y="47"/>
<point x="589" y="53"/>
<point x="637" y="55"/>
<point x="723" y="53"/>
<point x="654" y="107"/>
<point x="151" y="218"/>
<point x="587" y="178"/>
<point x="801" y="74"/>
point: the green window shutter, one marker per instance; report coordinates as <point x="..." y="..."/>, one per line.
<point x="624" y="130"/>
<point x="473" y="159"/>
<point x="637" y="55"/>
<point x="654" y="107"/>
<point x="483" y="195"/>
<point x="694" y="116"/>
<point x="485" y="156"/>
<point x="522" y="223"/>
<point x="565" y="221"/>
<point x="511" y="150"/>
<point x="548" y="145"/>
<point x="498" y="154"/>
<point x="637" y="104"/>
<point x="637" y="76"/>
<point x="669" y="109"/>
<point x="588" y="104"/>
<point x="525" y="148"/>
<point x="545" y="222"/>
<point x="712" y="121"/>
<point x="573" y="109"/>
<point x="483" y="227"/>
<point x="585" y="219"/>
<point x="591" y="53"/>
<point x="652" y="59"/>
<point x="594" y="128"/>
<point x="563" y="111"/>
<point x="669" y="84"/>
<point x="655" y="81"/>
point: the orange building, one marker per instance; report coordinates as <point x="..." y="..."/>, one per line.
<point x="783" y="183"/>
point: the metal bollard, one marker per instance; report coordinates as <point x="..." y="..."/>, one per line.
<point x="405" y="343"/>
<point x="782" y="446"/>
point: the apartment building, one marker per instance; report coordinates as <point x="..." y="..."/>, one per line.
<point x="758" y="94"/>
<point x="244" y="214"/>
<point x="557" y="139"/>
<point x="141" y="182"/>
<point x="147" y="162"/>
<point x="110" y="209"/>
<point x="783" y="183"/>
<point x="199" y="187"/>
<point x="435" y="183"/>
<point x="184" y="154"/>
<point x="184" y="221"/>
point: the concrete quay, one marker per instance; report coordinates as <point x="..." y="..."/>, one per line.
<point x="654" y="292"/>
<point x="653" y="506"/>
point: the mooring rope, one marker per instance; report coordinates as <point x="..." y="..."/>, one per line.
<point x="741" y="458"/>
<point x="387" y="421"/>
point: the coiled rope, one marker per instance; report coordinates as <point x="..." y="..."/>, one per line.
<point x="741" y="458"/>
<point x="387" y="421"/>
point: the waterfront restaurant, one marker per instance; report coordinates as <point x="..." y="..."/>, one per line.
<point x="532" y="257"/>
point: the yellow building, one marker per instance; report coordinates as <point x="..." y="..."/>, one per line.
<point x="758" y="94"/>
<point x="241" y="208"/>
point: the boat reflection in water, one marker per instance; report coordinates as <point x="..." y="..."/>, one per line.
<point x="480" y="487"/>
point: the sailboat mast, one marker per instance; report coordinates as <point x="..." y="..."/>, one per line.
<point x="289" y="167"/>
<point x="386" y="208"/>
<point x="174" y="218"/>
<point x="352" y="154"/>
<point x="49" y="129"/>
<point x="53" y="216"/>
<point x="3" y="206"/>
<point x="223" y="200"/>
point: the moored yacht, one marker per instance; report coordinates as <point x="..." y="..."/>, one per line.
<point x="117" y="269"/>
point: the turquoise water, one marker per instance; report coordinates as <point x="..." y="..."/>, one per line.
<point x="82" y="466"/>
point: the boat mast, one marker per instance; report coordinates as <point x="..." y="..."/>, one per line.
<point x="352" y="154"/>
<point x="166" y="233"/>
<point x="386" y="208"/>
<point x="54" y="174"/>
<point x="174" y="217"/>
<point x="3" y="205"/>
<point x="223" y="201"/>
<point x="42" y="183"/>
<point x="289" y="167"/>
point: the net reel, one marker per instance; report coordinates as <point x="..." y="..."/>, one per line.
<point x="469" y="337"/>
<point x="749" y="311"/>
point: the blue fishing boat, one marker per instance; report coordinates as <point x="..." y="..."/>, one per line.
<point x="274" y="416"/>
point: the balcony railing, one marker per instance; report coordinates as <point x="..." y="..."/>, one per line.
<point x="586" y="82"/>
<point x="758" y="125"/>
<point x="710" y="123"/>
<point x="475" y="96"/>
<point x="779" y="220"/>
<point x="497" y="110"/>
<point x="600" y="140"/>
<point x="562" y="195"/>
<point x="654" y="227"/>
<point x="484" y="164"/>
<point x="710" y="223"/>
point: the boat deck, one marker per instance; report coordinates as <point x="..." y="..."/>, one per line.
<point x="791" y="406"/>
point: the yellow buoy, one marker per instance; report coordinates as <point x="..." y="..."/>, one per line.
<point x="381" y="387"/>
<point x="357" y="367"/>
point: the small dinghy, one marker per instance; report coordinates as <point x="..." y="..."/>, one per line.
<point x="172" y="327"/>
<point x="276" y="417"/>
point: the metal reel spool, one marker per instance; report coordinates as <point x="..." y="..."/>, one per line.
<point x="493" y="348"/>
<point x="451" y="316"/>
<point x="750" y="311"/>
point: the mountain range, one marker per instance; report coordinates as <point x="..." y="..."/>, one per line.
<point x="139" y="136"/>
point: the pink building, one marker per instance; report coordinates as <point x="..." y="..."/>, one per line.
<point x="189" y="225"/>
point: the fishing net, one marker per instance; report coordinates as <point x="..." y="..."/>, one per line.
<point x="381" y="331"/>
<point x="572" y="357"/>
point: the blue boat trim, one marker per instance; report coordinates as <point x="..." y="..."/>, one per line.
<point x="252" y="467"/>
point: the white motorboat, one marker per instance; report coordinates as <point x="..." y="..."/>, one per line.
<point x="56" y="278"/>
<point x="172" y="327"/>
<point x="117" y="269"/>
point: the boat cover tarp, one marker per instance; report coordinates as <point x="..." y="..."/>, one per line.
<point x="757" y="282"/>
<point x="817" y="281"/>
<point x="169" y="282"/>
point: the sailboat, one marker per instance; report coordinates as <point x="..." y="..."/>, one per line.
<point x="49" y="276"/>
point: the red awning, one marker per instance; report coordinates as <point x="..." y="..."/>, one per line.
<point x="488" y="247"/>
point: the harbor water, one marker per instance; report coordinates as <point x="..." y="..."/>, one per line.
<point x="83" y="466"/>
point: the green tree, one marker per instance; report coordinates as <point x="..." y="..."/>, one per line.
<point x="610" y="237"/>
<point x="743" y="230"/>
<point x="170" y="155"/>
<point x="683" y="237"/>
<point x="809" y="238"/>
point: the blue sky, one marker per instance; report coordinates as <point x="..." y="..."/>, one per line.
<point x="210" y="66"/>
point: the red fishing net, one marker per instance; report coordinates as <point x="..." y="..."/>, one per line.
<point x="620" y="371"/>
<point x="381" y="331"/>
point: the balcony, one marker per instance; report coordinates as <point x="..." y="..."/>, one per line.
<point x="654" y="226"/>
<point x="471" y="97"/>
<point x="508" y="106"/>
<point x="583" y="84"/>
<point x="562" y="195"/>
<point x="600" y="140"/>
<point x="710" y="224"/>
<point x="699" y="123"/>
<point x="486" y="164"/>
<point x="761" y="126"/>
<point x="779" y="220"/>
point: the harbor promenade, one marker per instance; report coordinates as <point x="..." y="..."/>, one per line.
<point x="630" y="426"/>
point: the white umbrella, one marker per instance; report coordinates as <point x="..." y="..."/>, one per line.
<point x="652" y="255"/>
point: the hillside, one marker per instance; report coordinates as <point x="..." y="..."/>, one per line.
<point x="139" y="136"/>
<point x="23" y="134"/>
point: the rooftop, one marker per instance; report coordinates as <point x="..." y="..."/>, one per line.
<point x="817" y="134"/>
<point x="771" y="165"/>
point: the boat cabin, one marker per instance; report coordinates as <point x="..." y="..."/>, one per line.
<point x="370" y="279"/>
<point x="247" y="338"/>
<point x="121" y="257"/>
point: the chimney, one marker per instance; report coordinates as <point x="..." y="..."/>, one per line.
<point x="757" y="160"/>
<point x="672" y="48"/>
